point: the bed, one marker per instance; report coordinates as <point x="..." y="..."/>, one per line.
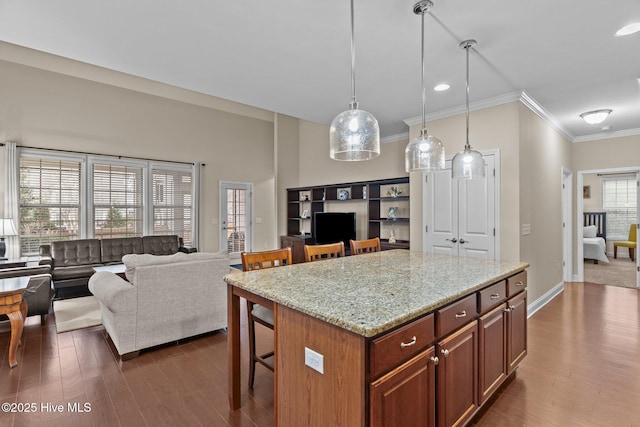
<point x="594" y="236"/>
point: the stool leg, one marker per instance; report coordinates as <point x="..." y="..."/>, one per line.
<point x="615" y="252"/>
<point x="632" y="253"/>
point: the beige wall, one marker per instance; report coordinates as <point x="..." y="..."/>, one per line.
<point x="44" y="109"/>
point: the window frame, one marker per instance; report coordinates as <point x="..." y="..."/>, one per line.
<point x="618" y="177"/>
<point x="86" y="220"/>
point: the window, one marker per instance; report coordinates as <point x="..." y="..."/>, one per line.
<point x="65" y="196"/>
<point x="619" y="196"/>
<point x="117" y="201"/>
<point x="50" y="192"/>
<point x="172" y="202"/>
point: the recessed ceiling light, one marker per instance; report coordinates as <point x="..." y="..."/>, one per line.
<point x="605" y="128"/>
<point x="441" y="87"/>
<point x="628" y="29"/>
<point x="595" y="117"/>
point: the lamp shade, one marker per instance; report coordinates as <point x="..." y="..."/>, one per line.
<point x="424" y="153"/>
<point x="354" y="135"/>
<point x="7" y="228"/>
<point x="468" y="164"/>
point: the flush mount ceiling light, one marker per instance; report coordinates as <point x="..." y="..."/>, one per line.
<point x="595" y="117"/>
<point x="441" y="87"/>
<point x="354" y="134"/>
<point x="628" y="29"/>
<point x="468" y="163"/>
<point x="426" y="152"/>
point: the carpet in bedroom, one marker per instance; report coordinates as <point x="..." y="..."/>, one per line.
<point x="77" y="313"/>
<point x="618" y="272"/>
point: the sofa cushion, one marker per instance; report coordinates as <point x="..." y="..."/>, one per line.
<point x="66" y="253"/>
<point x="73" y="272"/>
<point x="160" y="245"/>
<point x="114" y="249"/>
<point x="24" y="271"/>
<point x="131" y="261"/>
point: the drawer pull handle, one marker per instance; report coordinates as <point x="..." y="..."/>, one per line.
<point x="413" y="341"/>
<point x="435" y="360"/>
<point x="463" y="313"/>
<point x="519" y="283"/>
<point x="495" y="296"/>
<point x="445" y="352"/>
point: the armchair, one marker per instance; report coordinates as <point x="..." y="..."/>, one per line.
<point x="39" y="291"/>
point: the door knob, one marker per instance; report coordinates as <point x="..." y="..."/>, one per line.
<point x="453" y="240"/>
<point x="462" y="241"/>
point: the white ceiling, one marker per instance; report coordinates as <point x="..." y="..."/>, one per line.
<point x="293" y="56"/>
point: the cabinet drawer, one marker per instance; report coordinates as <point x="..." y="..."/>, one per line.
<point x="492" y="296"/>
<point x="390" y="349"/>
<point x="516" y="283"/>
<point x="455" y="315"/>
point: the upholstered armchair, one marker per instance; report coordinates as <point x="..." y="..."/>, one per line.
<point x="630" y="243"/>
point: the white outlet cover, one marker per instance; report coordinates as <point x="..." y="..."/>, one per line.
<point x="314" y="360"/>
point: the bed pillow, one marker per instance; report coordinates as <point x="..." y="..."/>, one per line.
<point x="589" y="231"/>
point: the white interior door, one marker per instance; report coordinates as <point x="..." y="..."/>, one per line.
<point x="460" y="214"/>
<point x="235" y="217"/>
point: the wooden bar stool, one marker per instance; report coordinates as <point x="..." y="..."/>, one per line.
<point x="364" y="246"/>
<point x="257" y="313"/>
<point x="320" y="252"/>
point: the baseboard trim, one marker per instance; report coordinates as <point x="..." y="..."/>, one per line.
<point x="544" y="299"/>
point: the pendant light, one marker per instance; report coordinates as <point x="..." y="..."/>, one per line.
<point x="426" y="152"/>
<point x="354" y="134"/>
<point x="468" y="163"/>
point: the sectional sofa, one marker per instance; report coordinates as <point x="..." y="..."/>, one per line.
<point x="72" y="261"/>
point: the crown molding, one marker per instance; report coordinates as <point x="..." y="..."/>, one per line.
<point x="521" y="96"/>
<point x="607" y="135"/>
<point x="395" y="138"/>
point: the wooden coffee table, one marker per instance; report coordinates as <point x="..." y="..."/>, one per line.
<point x="12" y="304"/>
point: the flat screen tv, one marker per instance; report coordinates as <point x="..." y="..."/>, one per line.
<point x="333" y="227"/>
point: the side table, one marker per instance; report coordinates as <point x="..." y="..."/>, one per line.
<point x="12" y="304"/>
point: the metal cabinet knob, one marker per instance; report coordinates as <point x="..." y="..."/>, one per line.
<point x="444" y="352"/>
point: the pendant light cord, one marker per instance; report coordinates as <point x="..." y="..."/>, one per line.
<point x="424" y="91"/>
<point x="467" y="145"/>
<point x="354" y="103"/>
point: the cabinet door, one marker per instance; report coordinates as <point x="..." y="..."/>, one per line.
<point x="457" y="378"/>
<point x="516" y="330"/>
<point x="492" y="351"/>
<point x="406" y="395"/>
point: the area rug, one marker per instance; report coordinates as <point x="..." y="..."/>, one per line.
<point x="618" y="272"/>
<point x="77" y="313"/>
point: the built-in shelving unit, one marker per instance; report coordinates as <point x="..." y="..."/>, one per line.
<point x="387" y="211"/>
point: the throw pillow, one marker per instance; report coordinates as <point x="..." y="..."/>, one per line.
<point x="589" y="231"/>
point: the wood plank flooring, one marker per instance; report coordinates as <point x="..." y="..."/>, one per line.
<point x="583" y="369"/>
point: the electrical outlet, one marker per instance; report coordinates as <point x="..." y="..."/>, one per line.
<point x="314" y="360"/>
<point x="526" y="229"/>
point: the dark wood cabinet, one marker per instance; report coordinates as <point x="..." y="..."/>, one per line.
<point x="386" y="212"/>
<point x="406" y="395"/>
<point x="457" y="376"/>
<point x="296" y="243"/>
<point x="516" y="330"/>
<point x="492" y="351"/>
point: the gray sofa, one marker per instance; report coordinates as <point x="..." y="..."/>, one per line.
<point x="164" y="299"/>
<point x="72" y="261"/>
<point x="38" y="293"/>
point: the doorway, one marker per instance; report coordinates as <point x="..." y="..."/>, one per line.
<point x="235" y="217"/>
<point x="589" y="189"/>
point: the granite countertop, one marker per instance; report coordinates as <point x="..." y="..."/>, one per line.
<point x="372" y="293"/>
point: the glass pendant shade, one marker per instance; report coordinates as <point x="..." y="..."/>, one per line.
<point x="468" y="164"/>
<point x="354" y="135"/>
<point x="425" y="153"/>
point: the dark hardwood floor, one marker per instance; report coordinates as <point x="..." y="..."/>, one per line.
<point x="583" y="369"/>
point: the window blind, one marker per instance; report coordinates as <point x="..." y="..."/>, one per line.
<point x="619" y="201"/>
<point x="172" y="203"/>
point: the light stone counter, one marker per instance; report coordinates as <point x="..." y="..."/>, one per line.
<point x="372" y="293"/>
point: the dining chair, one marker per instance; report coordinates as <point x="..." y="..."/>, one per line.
<point x="630" y="243"/>
<point x="257" y="313"/>
<point x="364" y="246"/>
<point x="320" y="252"/>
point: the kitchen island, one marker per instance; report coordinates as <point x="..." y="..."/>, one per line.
<point x="357" y="339"/>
